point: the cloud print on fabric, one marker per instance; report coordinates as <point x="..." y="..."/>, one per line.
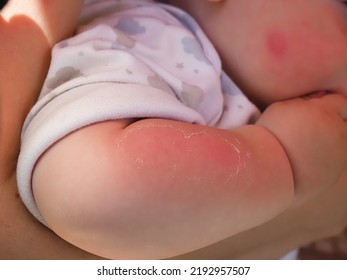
<point x="130" y="26"/>
<point x="192" y="46"/>
<point x="62" y="76"/>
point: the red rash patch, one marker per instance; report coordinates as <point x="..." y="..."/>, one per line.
<point x="276" y="44"/>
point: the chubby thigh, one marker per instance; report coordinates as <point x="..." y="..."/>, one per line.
<point x="159" y="188"/>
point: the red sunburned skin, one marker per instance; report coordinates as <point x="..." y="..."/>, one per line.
<point x="190" y="180"/>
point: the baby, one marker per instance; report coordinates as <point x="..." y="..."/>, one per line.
<point x="141" y="146"/>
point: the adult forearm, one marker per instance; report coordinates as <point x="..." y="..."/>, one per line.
<point x="56" y="19"/>
<point x="322" y="216"/>
<point x="28" y="30"/>
<point x="271" y="240"/>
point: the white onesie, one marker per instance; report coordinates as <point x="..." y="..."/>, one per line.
<point x="129" y="59"/>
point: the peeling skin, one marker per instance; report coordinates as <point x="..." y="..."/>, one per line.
<point x="140" y="127"/>
<point x="238" y="151"/>
<point x="119" y="141"/>
<point x="184" y="147"/>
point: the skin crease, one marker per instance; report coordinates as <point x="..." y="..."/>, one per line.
<point x="136" y="160"/>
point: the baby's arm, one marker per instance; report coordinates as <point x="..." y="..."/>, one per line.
<point x="312" y="131"/>
<point x="158" y="188"/>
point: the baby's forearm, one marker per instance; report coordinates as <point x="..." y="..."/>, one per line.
<point x="160" y="188"/>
